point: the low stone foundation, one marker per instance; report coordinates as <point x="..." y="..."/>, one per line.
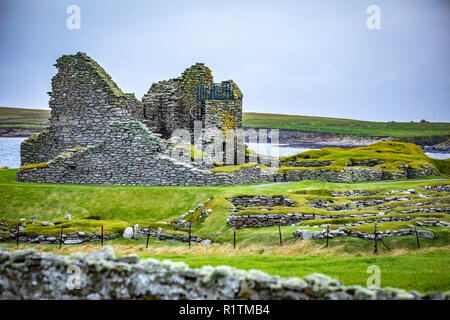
<point x="31" y="275"/>
<point x="445" y="188"/>
<point x="343" y="232"/>
<point x="257" y="201"/>
<point x="267" y="220"/>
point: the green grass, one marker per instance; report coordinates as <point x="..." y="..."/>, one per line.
<point x="390" y="154"/>
<point x="421" y="271"/>
<point x="401" y="130"/>
<point x="153" y="203"/>
<point x="229" y="169"/>
<point x="23" y="118"/>
<point x="34" y="165"/>
<point x="116" y="207"/>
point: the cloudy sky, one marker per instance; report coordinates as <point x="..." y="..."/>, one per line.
<point x="294" y="57"/>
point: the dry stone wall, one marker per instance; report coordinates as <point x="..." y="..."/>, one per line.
<point x="130" y="154"/>
<point x="256" y="201"/>
<point x="267" y="220"/>
<point x="173" y="104"/>
<point x="83" y="101"/>
<point x="31" y="275"/>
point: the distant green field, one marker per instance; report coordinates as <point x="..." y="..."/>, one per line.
<point x="416" y="132"/>
<point x="23" y="118"/>
<point x="6" y="112"/>
<point x="346" y="126"/>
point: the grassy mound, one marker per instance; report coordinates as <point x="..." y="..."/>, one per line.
<point x="387" y="155"/>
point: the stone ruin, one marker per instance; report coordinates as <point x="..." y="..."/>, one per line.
<point x="177" y="103"/>
<point x="99" y="134"/>
<point x="85" y="101"/>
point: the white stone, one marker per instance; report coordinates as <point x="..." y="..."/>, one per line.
<point x="68" y="216"/>
<point x="128" y="233"/>
<point x="135" y="231"/>
<point x="73" y="241"/>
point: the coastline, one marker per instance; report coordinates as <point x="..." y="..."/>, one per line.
<point x="301" y="139"/>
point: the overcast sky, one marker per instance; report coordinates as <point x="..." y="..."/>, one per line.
<point x="294" y="57"/>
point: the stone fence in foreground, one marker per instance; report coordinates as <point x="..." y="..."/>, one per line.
<point x="100" y="275"/>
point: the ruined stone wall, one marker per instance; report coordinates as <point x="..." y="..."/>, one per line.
<point x="173" y="104"/>
<point x="266" y="220"/>
<point x="130" y="154"/>
<point x="347" y="174"/>
<point x="260" y="201"/>
<point x="31" y="275"/>
<point x="162" y="107"/>
<point x="83" y="101"/>
<point x="224" y="114"/>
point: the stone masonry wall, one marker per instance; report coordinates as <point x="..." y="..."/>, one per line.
<point x="31" y="275"/>
<point x="83" y="101"/>
<point x="266" y="220"/>
<point x="129" y="155"/>
<point x="224" y="114"/>
<point x="257" y="201"/>
<point x="172" y="104"/>
<point x="350" y="174"/>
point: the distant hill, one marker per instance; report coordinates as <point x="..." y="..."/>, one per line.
<point x="6" y="112"/>
<point x="21" y="122"/>
<point x="347" y="127"/>
<point x="37" y="119"/>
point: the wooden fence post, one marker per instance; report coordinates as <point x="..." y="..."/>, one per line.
<point x="17" y="235"/>
<point x="234" y="238"/>
<point x="375" y="248"/>
<point x="417" y="235"/>
<point x="189" y="239"/>
<point x="60" y="237"/>
<point x="148" y="237"/>
<point x="328" y="231"/>
<point x="279" y="232"/>
<point x="101" y="236"/>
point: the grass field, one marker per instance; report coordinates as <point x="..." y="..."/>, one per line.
<point x="346" y="126"/>
<point x="23" y="118"/>
<point x="346" y="259"/>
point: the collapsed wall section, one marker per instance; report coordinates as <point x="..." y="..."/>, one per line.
<point x="130" y="154"/>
